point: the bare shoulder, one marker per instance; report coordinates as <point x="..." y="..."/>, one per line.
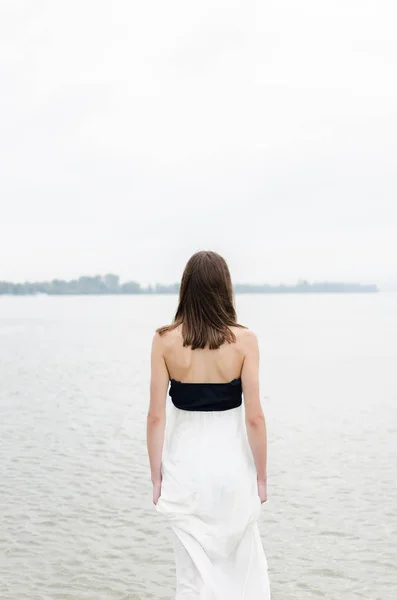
<point x="167" y="339"/>
<point x="157" y="341"/>
<point x="245" y="335"/>
<point x="246" y="339"/>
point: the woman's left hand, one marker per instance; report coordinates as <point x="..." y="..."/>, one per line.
<point x="262" y="490"/>
<point x="156" y="491"/>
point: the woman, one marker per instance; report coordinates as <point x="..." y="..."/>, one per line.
<point x="208" y="469"/>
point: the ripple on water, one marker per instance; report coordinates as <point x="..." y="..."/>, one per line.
<point x="76" y="519"/>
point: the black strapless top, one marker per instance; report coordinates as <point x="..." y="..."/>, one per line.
<point x="206" y="396"/>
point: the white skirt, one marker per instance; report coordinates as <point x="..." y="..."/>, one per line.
<point x="209" y="494"/>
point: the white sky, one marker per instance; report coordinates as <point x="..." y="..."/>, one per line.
<point x="134" y="133"/>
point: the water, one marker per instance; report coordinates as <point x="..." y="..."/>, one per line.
<point x="76" y="519"/>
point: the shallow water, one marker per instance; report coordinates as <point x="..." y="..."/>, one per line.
<point x="76" y="520"/>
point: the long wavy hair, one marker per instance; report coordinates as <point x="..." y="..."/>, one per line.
<point x="206" y="308"/>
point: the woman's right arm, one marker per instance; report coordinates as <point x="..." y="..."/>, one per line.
<point x="254" y="417"/>
<point x="159" y="380"/>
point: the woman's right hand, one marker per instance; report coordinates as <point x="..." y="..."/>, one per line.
<point x="262" y="490"/>
<point x="156" y="491"/>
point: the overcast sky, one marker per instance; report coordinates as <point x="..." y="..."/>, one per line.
<point x="134" y="133"/>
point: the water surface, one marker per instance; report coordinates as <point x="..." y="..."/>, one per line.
<point x="76" y="520"/>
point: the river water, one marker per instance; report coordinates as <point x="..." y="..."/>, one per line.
<point x="76" y="519"/>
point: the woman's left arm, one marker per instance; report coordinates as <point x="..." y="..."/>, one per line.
<point x="159" y="380"/>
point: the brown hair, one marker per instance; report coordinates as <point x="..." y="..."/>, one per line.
<point x="206" y="308"/>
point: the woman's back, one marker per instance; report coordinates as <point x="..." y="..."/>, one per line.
<point x="204" y="365"/>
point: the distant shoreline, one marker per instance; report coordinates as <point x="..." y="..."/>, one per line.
<point x="110" y="285"/>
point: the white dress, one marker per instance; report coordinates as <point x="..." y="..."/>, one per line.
<point x="209" y="494"/>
